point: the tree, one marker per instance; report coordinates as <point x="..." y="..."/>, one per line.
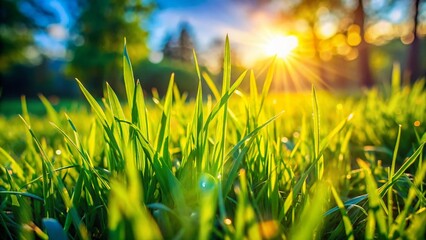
<point x="313" y="12"/>
<point x="168" y="49"/>
<point x="22" y="64"/>
<point x="364" y="68"/>
<point x="412" y="69"/>
<point x="17" y="29"/>
<point x="100" y="29"/>
<point x="181" y="48"/>
<point x="338" y="8"/>
<point x="185" y="44"/>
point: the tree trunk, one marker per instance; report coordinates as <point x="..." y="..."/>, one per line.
<point x="364" y="54"/>
<point x="412" y="68"/>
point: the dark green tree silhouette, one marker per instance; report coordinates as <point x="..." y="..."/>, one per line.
<point x="17" y="29"/>
<point x="100" y="29"/>
<point x="185" y="44"/>
<point x="181" y="48"/>
<point x="363" y="48"/>
<point x="412" y="70"/>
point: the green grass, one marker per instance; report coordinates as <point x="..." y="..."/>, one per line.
<point x="234" y="166"/>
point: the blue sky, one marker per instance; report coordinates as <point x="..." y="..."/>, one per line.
<point x="243" y="20"/>
<point x="246" y="23"/>
<point x="209" y="19"/>
<point x="54" y="42"/>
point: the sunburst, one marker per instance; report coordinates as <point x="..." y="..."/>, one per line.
<point x="280" y="45"/>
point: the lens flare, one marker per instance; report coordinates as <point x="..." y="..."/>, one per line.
<point x="280" y="45"/>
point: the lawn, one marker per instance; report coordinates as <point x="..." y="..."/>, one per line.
<point x="235" y="165"/>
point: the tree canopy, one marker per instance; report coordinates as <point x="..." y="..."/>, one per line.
<point x="97" y="46"/>
<point x="16" y="31"/>
<point x="180" y="48"/>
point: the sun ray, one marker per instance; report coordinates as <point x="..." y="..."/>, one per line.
<point x="280" y="45"/>
<point x="297" y="64"/>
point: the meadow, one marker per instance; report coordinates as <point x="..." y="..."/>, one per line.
<point x="234" y="165"/>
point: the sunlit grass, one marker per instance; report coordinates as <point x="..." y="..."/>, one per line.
<point x="234" y="165"/>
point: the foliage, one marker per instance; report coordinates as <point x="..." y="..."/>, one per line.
<point x="100" y="27"/>
<point x="241" y="165"/>
<point x="180" y="48"/>
<point x="16" y="31"/>
<point x="12" y="40"/>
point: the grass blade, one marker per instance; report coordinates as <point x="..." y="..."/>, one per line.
<point x="319" y="169"/>
<point x="396" y="78"/>
<point x="375" y="212"/>
<point x="51" y="112"/>
<point x="267" y="84"/>
<point x="383" y="189"/>
<point x="7" y="161"/>
<point x="392" y="171"/>
<point x="346" y="221"/>
<point x="212" y="86"/>
<point x="95" y="106"/>
<point x="208" y="191"/>
<point x="163" y="131"/>
<point x="311" y="217"/>
<point x="129" y="81"/>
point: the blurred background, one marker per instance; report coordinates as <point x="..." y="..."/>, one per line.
<point x="337" y="44"/>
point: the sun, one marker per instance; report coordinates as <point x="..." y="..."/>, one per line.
<point x="280" y="45"/>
